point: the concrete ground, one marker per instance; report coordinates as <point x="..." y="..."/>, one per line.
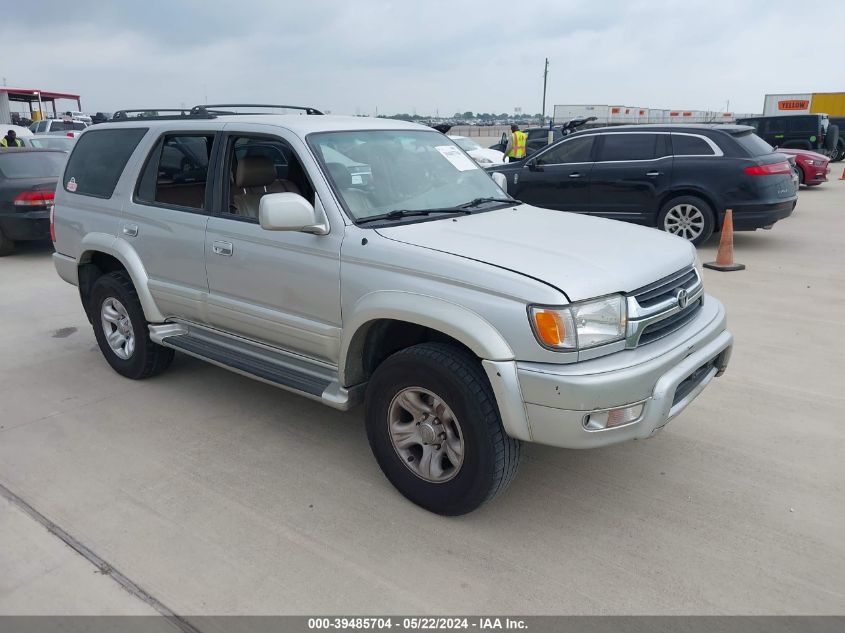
<point x="221" y="495"/>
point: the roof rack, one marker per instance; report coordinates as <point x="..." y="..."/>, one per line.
<point x="205" y="111"/>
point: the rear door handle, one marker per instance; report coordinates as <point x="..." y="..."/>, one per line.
<point x="130" y="230"/>
<point x="575" y="174"/>
<point x="652" y="174"/>
<point x="222" y="248"/>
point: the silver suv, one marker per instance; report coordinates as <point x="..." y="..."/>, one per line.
<point x="355" y="260"/>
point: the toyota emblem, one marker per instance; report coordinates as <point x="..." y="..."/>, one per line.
<point x="682" y="298"/>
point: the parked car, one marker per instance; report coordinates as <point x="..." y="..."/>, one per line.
<point x="28" y="180"/>
<point x="50" y="141"/>
<point x="58" y="126"/>
<point x="811" y="168"/>
<point x="465" y="321"/>
<point x="812" y="132"/>
<point x="678" y="178"/>
<point x="479" y="154"/>
<point x="537" y="139"/>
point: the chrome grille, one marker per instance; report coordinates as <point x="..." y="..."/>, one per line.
<point x="656" y="310"/>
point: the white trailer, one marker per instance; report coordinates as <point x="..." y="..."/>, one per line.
<point x="564" y="113"/>
<point x="788" y="103"/>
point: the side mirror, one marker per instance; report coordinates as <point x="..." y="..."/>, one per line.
<point x="289" y="212"/>
<point x="500" y="179"/>
<point x="533" y="166"/>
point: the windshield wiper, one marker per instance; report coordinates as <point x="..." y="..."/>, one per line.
<point x="398" y="214"/>
<point x="479" y="201"/>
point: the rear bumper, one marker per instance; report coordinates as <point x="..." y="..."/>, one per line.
<point x="756" y="216"/>
<point x="67" y="268"/>
<point x="26" y="225"/>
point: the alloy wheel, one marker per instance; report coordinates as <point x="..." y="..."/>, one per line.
<point x="684" y="220"/>
<point x="117" y="327"/>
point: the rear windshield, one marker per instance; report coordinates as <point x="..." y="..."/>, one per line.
<point x="67" y="126"/>
<point x="753" y="144"/>
<point x="32" y="164"/>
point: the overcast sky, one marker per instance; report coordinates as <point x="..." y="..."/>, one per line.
<point x="424" y="56"/>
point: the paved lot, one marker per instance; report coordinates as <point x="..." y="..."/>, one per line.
<point x="217" y="494"/>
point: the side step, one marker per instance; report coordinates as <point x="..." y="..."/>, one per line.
<point x="294" y="373"/>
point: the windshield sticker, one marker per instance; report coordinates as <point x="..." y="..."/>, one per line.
<point x="71" y="185"/>
<point x="459" y="160"/>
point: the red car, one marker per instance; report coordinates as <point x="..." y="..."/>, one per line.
<point x="812" y="168"/>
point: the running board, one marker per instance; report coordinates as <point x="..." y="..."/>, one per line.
<point x="294" y="373"/>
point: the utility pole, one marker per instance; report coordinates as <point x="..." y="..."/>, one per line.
<point x="545" y="78"/>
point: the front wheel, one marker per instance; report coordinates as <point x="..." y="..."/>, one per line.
<point x="435" y="430"/>
<point x="688" y="217"/>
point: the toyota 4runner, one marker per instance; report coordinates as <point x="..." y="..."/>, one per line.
<point x="355" y="260"/>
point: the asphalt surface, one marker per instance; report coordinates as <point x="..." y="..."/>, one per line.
<point x="220" y="495"/>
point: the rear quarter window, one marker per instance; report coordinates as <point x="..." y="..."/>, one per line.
<point x="685" y="145"/>
<point x="98" y="160"/>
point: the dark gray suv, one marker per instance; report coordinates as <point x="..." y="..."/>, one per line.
<point x="678" y="178"/>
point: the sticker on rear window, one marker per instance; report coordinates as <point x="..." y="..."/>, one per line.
<point x="71" y="185"/>
<point x="459" y="160"/>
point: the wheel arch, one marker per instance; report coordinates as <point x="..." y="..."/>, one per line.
<point x="391" y="320"/>
<point x="102" y="253"/>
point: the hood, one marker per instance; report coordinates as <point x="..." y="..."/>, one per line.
<point x="584" y="257"/>
<point x="494" y="155"/>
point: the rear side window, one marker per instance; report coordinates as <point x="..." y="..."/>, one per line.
<point x="177" y="171"/>
<point x="753" y="144"/>
<point x="628" y="147"/>
<point x="98" y="159"/>
<point x="31" y="164"/>
<point x="683" y="145"/>
<point x="576" y="150"/>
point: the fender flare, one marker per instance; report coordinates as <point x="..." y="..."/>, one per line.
<point x="122" y="251"/>
<point x="451" y="319"/>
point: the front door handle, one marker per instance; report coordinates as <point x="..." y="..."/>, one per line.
<point x="130" y="230"/>
<point x="222" y="248"/>
<point x="574" y="174"/>
<point x="652" y="174"/>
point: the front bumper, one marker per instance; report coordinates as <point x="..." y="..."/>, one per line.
<point x="665" y="376"/>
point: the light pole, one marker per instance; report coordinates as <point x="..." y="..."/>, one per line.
<point x="37" y="93"/>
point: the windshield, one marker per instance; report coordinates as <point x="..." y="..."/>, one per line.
<point x="404" y="170"/>
<point x="466" y="144"/>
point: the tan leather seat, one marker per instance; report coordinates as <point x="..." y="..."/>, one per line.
<point x="255" y="176"/>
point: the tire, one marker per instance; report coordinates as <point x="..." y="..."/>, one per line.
<point x="800" y="173"/>
<point x="115" y="303"/>
<point x="840" y="150"/>
<point x="449" y="382"/>
<point x="831" y="139"/>
<point x="7" y="246"/>
<point x="701" y="216"/>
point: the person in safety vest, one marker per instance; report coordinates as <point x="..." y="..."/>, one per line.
<point x="11" y="140"/>
<point x="515" y="149"/>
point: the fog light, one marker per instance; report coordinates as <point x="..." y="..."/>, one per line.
<point x="613" y="417"/>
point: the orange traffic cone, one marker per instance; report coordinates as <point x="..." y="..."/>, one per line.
<point x="842" y="177"/>
<point x="725" y="256"/>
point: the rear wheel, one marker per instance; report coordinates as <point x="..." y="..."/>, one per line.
<point x="688" y="217"/>
<point x="7" y="246"/>
<point x="840" y="150"/>
<point x="121" y="329"/>
<point x="434" y="428"/>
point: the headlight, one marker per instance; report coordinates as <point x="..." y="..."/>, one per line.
<point x="581" y="325"/>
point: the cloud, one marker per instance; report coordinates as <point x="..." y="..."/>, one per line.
<point x="401" y="56"/>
